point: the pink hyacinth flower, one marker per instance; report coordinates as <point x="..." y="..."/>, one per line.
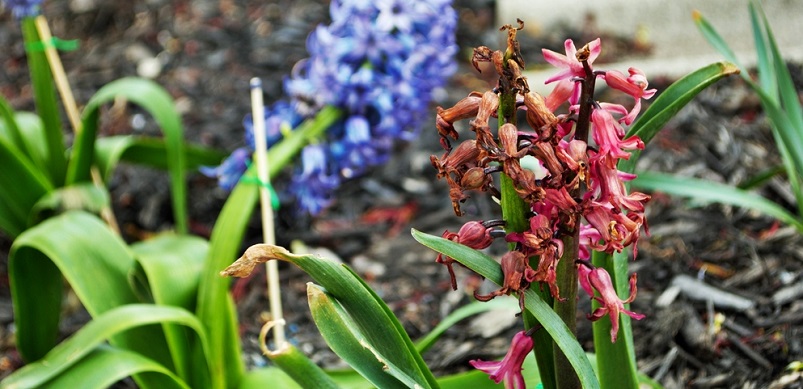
<point x="612" y="305"/>
<point x="569" y="63"/>
<point x="635" y="85"/>
<point x="509" y="369"/>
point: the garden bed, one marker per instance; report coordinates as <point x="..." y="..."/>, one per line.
<point x="208" y="50"/>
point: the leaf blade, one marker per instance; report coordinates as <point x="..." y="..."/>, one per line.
<point x="490" y="269"/>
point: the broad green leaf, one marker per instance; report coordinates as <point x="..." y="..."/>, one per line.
<point x="24" y="131"/>
<point x="490" y="269"/>
<point x="104" y="327"/>
<point x="94" y="261"/>
<point x="155" y="100"/>
<point x="346" y="340"/>
<point x="44" y="94"/>
<point x="461" y="313"/>
<point x="151" y="152"/>
<point x="265" y="377"/>
<point x="225" y="244"/>
<point x="172" y="266"/>
<point x="106" y="365"/>
<point x="8" y="127"/>
<point x="707" y="191"/>
<point x="87" y="197"/>
<point x="168" y="269"/>
<point x="371" y="316"/>
<point x="33" y="138"/>
<point x="349" y="379"/>
<point x="22" y="185"/>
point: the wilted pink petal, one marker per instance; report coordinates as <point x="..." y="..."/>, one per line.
<point x="612" y="305"/>
<point x="509" y="369"/>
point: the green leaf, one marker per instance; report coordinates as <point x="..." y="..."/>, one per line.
<point x="616" y="362"/>
<point x="151" y="152"/>
<point x="24" y="131"/>
<point x="267" y="377"/>
<point x="106" y="365"/>
<point x="343" y="335"/>
<point x="302" y="370"/>
<point x="372" y="317"/>
<point x="104" y="327"/>
<point x="471" y="309"/>
<point x="22" y="185"/>
<point x="44" y="94"/>
<point x="487" y="267"/>
<point x="776" y="91"/>
<point x="225" y="243"/>
<point x="94" y="261"/>
<point x="767" y="78"/>
<point x="87" y="197"/>
<point x="712" y="192"/>
<point x="714" y="39"/>
<point x="168" y="269"/>
<point x="670" y="101"/>
<point x="159" y="104"/>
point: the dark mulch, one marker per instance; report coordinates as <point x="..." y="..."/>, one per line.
<point x="209" y="51"/>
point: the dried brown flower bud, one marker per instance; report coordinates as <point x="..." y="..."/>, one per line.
<point x="539" y="117"/>
<point x="475" y="178"/>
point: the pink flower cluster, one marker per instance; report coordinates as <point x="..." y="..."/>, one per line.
<point x="579" y="192"/>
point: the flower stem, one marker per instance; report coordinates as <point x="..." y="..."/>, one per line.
<point x="514" y="212"/>
<point x="566" y="269"/>
<point x="567" y="309"/>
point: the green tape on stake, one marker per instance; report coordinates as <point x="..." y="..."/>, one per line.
<point x="59" y="44"/>
<point x="274" y="198"/>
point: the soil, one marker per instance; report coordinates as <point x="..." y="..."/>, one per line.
<point x="208" y="50"/>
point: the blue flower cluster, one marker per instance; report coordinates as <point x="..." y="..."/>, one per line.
<point x="23" y="8"/>
<point x="379" y="62"/>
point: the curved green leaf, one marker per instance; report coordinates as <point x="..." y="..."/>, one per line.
<point x="22" y="185"/>
<point x="461" y="313"/>
<point x="104" y="327"/>
<point x="268" y="376"/>
<point x="106" y="365"/>
<point x="146" y="151"/>
<point x="225" y="244"/>
<point x="87" y="197"/>
<point x="171" y="265"/>
<point x="707" y="191"/>
<point x="26" y="132"/>
<point x="670" y="101"/>
<point x="302" y="370"/>
<point x="345" y="338"/>
<point x="371" y="315"/>
<point x="159" y="104"/>
<point x="490" y="269"/>
<point x="94" y="261"/>
<point x="167" y="272"/>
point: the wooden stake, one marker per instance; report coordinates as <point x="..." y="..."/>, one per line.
<point x="67" y="98"/>
<point x="268" y="232"/>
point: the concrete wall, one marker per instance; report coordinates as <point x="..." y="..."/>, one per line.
<point x="678" y="47"/>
